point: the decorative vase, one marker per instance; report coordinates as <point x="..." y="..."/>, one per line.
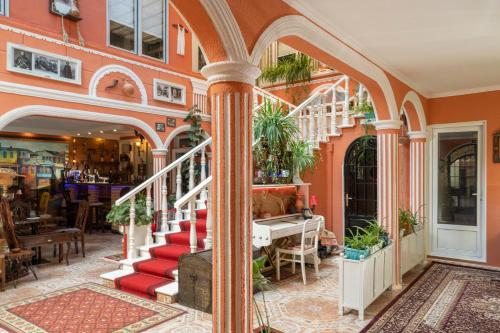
<point x="128" y="88"/>
<point x="296" y="178"/>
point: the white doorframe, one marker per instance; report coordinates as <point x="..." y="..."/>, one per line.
<point x="479" y="126"/>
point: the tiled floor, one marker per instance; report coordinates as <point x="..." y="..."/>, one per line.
<point x="293" y="307"/>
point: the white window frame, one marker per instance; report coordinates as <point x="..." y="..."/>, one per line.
<point x="4" y="7"/>
<point x="138" y="33"/>
<point x="170" y="99"/>
<point x="10" y="64"/>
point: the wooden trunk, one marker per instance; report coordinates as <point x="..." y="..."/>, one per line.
<point x="195" y="281"/>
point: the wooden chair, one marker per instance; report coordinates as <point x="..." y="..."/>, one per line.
<point x="307" y="246"/>
<point x="80" y="224"/>
<point x="44" y="203"/>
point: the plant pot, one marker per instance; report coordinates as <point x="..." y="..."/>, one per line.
<point x="269" y="330"/>
<point x="296" y="178"/>
<point x="377" y="247"/>
<point x="299" y="204"/>
<point x="355" y="254"/>
<point x="401" y="233"/>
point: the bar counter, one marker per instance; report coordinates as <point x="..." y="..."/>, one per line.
<point x="97" y="192"/>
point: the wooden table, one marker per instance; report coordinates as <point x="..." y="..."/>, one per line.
<point x="50" y="238"/>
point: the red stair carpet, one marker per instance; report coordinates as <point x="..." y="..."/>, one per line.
<point x="157" y="271"/>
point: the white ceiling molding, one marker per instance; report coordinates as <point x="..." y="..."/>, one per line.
<point x="297" y="25"/>
<point x="64" y="96"/>
<point x="226" y="71"/>
<point x="114" y="68"/>
<point x="413" y="98"/>
<point x="466" y="91"/>
<point x="227" y="28"/>
<point x="51" y="111"/>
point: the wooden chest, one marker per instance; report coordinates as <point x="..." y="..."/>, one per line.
<point x="195" y="281"/>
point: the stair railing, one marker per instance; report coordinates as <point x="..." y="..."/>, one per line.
<point x="147" y="185"/>
<point x="189" y="199"/>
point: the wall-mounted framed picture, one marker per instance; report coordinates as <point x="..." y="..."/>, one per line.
<point x="169" y="92"/>
<point x="171" y="122"/>
<point x="496" y="147"/>
<point x="160" y="127"/>
<point x="26" y="60"/>
<point x="68" y="8"/>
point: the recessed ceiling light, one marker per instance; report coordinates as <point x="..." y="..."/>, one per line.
<point x="89" y="133"/>
<point x="101" y="131"/>
<point x="114" y="130"/>
<point x="78" y="134"/>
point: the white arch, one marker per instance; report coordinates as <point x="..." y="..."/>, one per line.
<point x="57" y="112"/>
<point x="177" y="131"/>
<point x="296" y="25"/>
<point x="413" y="98"/>
<point x="103" y="71"/>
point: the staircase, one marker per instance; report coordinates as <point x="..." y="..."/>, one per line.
<point x="153" y="274"/>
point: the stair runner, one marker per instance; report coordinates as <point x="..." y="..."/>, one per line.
<point x="157" y="271"/>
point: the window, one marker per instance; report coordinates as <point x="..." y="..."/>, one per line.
<point x="138" y="26"/>
<point x="4" y="7"/>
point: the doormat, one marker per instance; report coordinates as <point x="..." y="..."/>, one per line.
<point x="444" y="298"/>
<point x="87" y="307"/>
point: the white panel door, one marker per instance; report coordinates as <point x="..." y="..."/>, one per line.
<point x="457" y="174"/>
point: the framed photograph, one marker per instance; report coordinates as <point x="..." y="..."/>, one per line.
<point x="171" y="122"/>
<point x="67" y="8"/>
<point x="25" y="60"/>
<point x="169" y="92"/>
<point x="496" y="147"/>
<point x="160" y="127"/>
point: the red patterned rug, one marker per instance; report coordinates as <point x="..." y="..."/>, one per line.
<point x="85" y="308"/>
<point x="445" y="298"/>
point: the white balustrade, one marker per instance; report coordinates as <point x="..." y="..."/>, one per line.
<point x="178" y="191"/>
<point x="334" y="130"/>
<point x="193" y="239"/>
<point x="149" y="236"/>
<point x="164" y="203"/>
<point x="132" y="251"/>
<point x="345" y="109"/>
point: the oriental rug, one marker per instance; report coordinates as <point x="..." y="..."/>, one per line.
<point x="445" y="298"/>
<point x="88" y="307"/>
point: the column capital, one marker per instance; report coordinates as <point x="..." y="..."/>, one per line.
<point x="159" y="152"/>
<point x="417" y="135"/>
<point x="231" y="71"/>
<point x="387" y="124"/>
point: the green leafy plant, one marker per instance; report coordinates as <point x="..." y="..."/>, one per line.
<point x="196" y="133"/>
<point x="364" y="238"/>
<point x="291" y="70"/>
<point x="408" y="220"/>
<point x="302" y="158"/>
<point x="261" y="283"/>
<point x="120" y="215"/>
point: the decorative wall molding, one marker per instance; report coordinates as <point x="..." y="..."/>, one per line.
<point x="159" y="152"/>
<point x="231" y="71"/>
<point x="199" y="87"/>
<point x="387" y="124"/>
<point x="417" y="135"/>
<point x="114" y="68"/>
<point x="296" y="25"/>
<point x="64" y="96"/>
<point x="171" y="136"/>
<point x="57" y="112"/>
<point x="412" y="97"/>
<point x="227" y="28"/>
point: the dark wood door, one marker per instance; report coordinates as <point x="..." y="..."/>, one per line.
<point x="360" y="182"/>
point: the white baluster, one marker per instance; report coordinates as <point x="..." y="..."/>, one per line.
<point x="304" y="124"/>
<point x="164" y="204"/>
<point x="178" y="191"/>
<point x="208" y="240"/>
<point x="361" y="92"/>
<point x="191" y="183"/>
<point x="333" y="115"/>
<point x="311" y="125"/>
<point x="132" y="252"/>
<point x="203" y="176"/>
<point x="345" y="110"/>
<point x="193" y="241"/>
<point x="324" y="123"/>
<point x="318" y="109"/>
<point x="149" y="235"/>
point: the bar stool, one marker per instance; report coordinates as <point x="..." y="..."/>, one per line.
<point x="96" y="207"/>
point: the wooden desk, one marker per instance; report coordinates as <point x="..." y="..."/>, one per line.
<point x="50" y="238"/>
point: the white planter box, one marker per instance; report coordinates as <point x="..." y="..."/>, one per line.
<point x="412" y="250"/>
<point x="362" y="281"/>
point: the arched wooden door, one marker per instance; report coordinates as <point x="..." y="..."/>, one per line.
<point x="360" y="182"/>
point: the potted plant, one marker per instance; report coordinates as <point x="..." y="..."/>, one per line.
<point x="120" y="215"/>
<point x="365" y="241"/>
<point x="261" y="284"/>
<point x="408" y="221"/>
<point x="302" y="158"/>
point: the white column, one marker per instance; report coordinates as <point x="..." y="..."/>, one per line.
<point x="387" y="192"/>
<point x="159" y="162"/>
<point x="417" y="173"/>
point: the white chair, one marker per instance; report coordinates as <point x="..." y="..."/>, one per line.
<point x="308" y="246"/>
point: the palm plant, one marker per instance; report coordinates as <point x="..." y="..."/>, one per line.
<point x="261" y="283"/>
<point x="272" y="125"/>
<point x="302" y="158"/>
<point x="291" y="70"/>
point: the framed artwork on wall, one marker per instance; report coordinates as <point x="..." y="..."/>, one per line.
<point x="496" y="147"/>
<point x="25" y="60"/>
<point x="169" y="92"/>
<point x="171" y="122"/>
<point x="160" y="127"/>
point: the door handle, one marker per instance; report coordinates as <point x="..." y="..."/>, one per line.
<point x="474" y="194"/>
<point x="347" y="198"/>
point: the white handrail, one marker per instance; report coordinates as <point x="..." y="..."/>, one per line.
<point x="162" y="172"/>
<point x="192" y="193"/>
<point x="264" y="93"/>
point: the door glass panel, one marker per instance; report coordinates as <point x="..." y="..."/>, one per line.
<point x="457" y="181"/>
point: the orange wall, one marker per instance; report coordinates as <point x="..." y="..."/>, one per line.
<point x="474" y="107"/>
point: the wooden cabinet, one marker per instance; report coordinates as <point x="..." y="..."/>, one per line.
<point x="412" y="250"/>
<point x="195" y="281"/>
<point x="362" y="281"/>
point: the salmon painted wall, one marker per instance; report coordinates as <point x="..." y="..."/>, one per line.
<point x="474" y="107"/>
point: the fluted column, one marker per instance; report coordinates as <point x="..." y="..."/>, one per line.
<point x="417" y="173"/>
<point x="159" y="162"/>
<point x="387" y="193"/>
<point x="230" y="93"/>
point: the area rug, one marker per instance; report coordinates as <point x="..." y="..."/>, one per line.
<point x="88" y="307"/>
<point x="445" y="298"/>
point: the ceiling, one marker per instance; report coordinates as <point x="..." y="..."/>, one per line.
<point x="68" y="127"/>
<point x="439" y="48"/>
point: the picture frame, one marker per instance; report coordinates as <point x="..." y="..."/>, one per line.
<point x="25" y="60"/>
<point x="171" y="122"/>
<point x="70" y="9"/>
<point x="496" y="147"/>
<point x="160" y="127"/>
<point x="169" y="92"/>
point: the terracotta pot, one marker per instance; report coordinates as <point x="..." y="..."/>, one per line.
<point x="128" y="88"/>
<point x="299" y="204"/>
